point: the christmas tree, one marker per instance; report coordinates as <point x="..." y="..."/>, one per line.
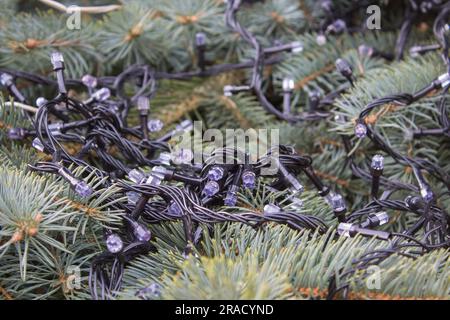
<point x="100" y="193"/>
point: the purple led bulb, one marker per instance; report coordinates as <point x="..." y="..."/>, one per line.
<point x="211" y="188"/>
<point x="248" y="179"/>
<point x="216" y="173"/>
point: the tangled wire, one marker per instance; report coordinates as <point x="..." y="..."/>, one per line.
<point x="102" y="121"/>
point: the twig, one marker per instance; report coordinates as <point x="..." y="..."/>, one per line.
<point x="20" y="105"/>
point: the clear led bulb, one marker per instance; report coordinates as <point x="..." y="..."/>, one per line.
<point x="114" y="243"/>
<point x="271" y="208"/>
<point x="377" y="162"/>
<point x="360" y="130"/>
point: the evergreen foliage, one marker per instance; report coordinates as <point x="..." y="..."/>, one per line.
<point x="45" y="229"/>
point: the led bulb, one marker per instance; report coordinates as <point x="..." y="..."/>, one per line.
<point x="296" y="204"/>
<point x="360" y="130"/>
<point x="228" y="91"/>
<point x="155" y="125"/>
<point x="365" y="51"/>
<point x="102" y="94"/>
<point x="165" y="158"/>
<point x="211" y="188"/>
<point x="136" y="175"/>
<point x="153" y="180"/>
<point x="288" y="84"/>
<point x="344" y="67"/>
<point x="336" y="202"/>
<point x="132" y="197"/>
<point x="444" y="80"/>
<point x="89" y="81"/>
<point x="426" y="193"/>
<point x="114" y="243"/>
<point x="152" y="291"/>
<point x="415" y="51"/>
<point x="37" y="144"/>
<point x="56" y="57"/>
<point x="248" y="179"/>
<point x="296" y="47"/>
<point x="159" y="171"/>
<point x="200" y="39"/>
<point x="216" y="173"/>
<point x="6" y="79"/>
<point x="321" y="39"/>
<point x="16" y="133"/>
<point x="41" y="101"/>
<point x="141" y="233"/>
<point x="175" y="209"/>
<point x="83" y="189"/>
<point x="271" y="209"/>
<point x="377" y="162"/>
<point x="338" y="26"/>
<point x="230" y="199"/>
